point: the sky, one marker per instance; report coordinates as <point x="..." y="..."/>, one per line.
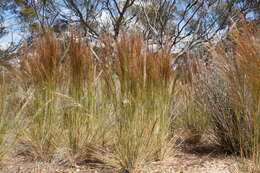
<point x="13" y="35"/>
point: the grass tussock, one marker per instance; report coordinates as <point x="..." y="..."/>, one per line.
<point x="141" y="86"/>
<point x="242" y="73"/>
<point x="231" y="92"/>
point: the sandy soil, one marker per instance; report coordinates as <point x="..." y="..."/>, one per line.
<point x="187" y="159"/>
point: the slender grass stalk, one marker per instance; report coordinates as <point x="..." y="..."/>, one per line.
<point x="3" y="112"/>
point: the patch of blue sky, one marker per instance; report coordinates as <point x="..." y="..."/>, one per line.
<point x="13" y="28"/>
<point x="250" y="15"/>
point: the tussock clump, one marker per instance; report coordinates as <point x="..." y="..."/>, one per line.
<point x="232" y="93"/>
